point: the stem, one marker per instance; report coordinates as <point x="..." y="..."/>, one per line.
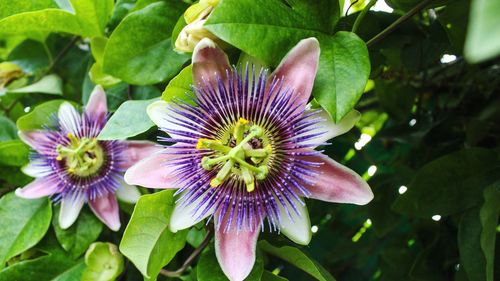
<point x="190" y="259"/>
<point x="398" y="22"/>
<point x="63" y="52"/>
<point x="47" y="51"/>
<point x="361" y="15"/>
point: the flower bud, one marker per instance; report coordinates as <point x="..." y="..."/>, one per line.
<point x="195" y="17"/>
<point x="8" y="73"/>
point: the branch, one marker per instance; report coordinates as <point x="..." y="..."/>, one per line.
<point x="63" y="52"/>
<point x="190" y="259"/>
<point x="361" y="15"/>
<point x="398" y="22"/>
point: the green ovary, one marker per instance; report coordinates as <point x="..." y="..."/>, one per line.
<point x="83" y="157"/>
<point x="243" y="160"/>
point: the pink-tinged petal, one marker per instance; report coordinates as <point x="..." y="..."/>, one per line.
<point x="35" y="139"/>
<point x="137" y="151"/>
<point x="69" y="118"/>
<point x="327" y="129"/>
<point x="97" y="106"/>
<point x="153" y="172"/>
<point x="235" y="250"/>
<point x="298" y="69"/>
<point x="37" y="188"/>
<point x="127" y="193"/>
<point x="294" y="226"/>
<point x="70" y="209"/>
<point x="209" y="61"/>
<point x="337" y="183"/>
<point x="185" y="216"/>
<point x="107" y="210"/>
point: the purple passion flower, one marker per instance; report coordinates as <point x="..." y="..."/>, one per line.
<point x="71" y="166"/>
<point x="243" y="153"/>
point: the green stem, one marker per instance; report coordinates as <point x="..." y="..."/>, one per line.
<point x="398" y="22"/>
<point x="361" y="15"/>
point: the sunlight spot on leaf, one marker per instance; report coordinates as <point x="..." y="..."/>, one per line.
<point x="402" y="189"/>
<point x="381" y="6"/>
<point x="446" y="58"/>
<point x="412" y="122"/>
<point x="314" y="229"/>
<point x="436" y="218"/>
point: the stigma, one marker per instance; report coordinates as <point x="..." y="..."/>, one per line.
<point x="82" y="157"/>
<point x="244" y="154"/>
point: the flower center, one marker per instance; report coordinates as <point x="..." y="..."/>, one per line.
<point x="83" y="157"/>
<point x="245" y="154"/>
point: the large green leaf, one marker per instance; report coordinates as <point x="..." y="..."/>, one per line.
<point x="80" y="235"/>
<point x="23" y="224"/>
<point x="139" y="51"/>
<point x="483" y="35"/>
<point x="40" y="116"/>
<point x="104" y="262"/>
<point x="267" y="29"/>
<point x="53" y="265"/>
<point x="449" y="184"/>
<point x="50" y="84"/>
<point x="180" y="86"/>
<point x="8" y="8"/>
<point x="129" y="120"/>
<point x="14" y="153"/>
<point x="8" y="130"/>
<point x="208" y="268"/>
<point x="477" y="235"/>
<point x="147" y="240"/>
<point x="297" y="258"/>
<point x="94" y="12"/>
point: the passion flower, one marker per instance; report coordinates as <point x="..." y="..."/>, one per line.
<point x="71" y="166"/>
<point x="243" y="153"/>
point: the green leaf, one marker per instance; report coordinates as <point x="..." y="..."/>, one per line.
<point x="80" y="235"/>
<point x="180" y="86"/>
<point x="477" y="235"/>
<point x="129" y="120"/>
<point x="8" y="8"/>
<point x="40" y="116"/>
<point x="396" y="98"/>
<point x="50" y="84"/>
<point x="147" y="241"/>
<point x="342" y="74"/>
<point x="268" y="29"/>
<point x="139" y="51"/>
<point x="8" y="130"/>
<point x="208" y="268"/>
<point x="94" y="12"/>
<point x="452" y="180"/>
<point x="104" y="262"/>
<point x="23" y="224"/>
<point x="483" y="35"/>
<point x="297" y="258"/>
<point x="14" y="153"/>
<point x="53" y="265"/>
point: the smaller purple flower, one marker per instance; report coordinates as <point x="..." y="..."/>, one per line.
<point x="71" y="166"/>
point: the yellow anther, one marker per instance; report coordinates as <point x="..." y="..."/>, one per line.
<point x="201" y="143"/>
<point x="59" y="158"/>
<point x="215" y="182"/>
<point x="242" y="121"/>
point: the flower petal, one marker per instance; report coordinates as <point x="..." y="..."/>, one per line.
<point x="37" y="168"/>
<point x="208" y="61"/>
<point x="107" y="210"/>
<point x="298" y="69"/>
<point x="69" y="118"/>
<point x="37" y="139"/>
<point x="70" y="209"/>
<point x="293" y="226"/>
<point x="152" y="172"/>
<point x="337" y="183"/>
<point x="326" y="129"/>
<point x="127" y="193"/>
<point x="97" y="106"/>
<point x="163" y="115"/>
<point x="235" y="250"/>
<point x="37" y="188"/>
<point x="137" y="151"/>
<point x="185" y="216"/>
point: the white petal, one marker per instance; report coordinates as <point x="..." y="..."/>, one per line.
<point x="163" y="116"/>
<point x="70" y="209"/>
<point x="185" y="216"/>
<point x="297" y="228"/>
<point x="328" y="129"/>
<point x="36" y="168"/>
<point x="69" y="118"/>
<point x="128" y="193"/>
